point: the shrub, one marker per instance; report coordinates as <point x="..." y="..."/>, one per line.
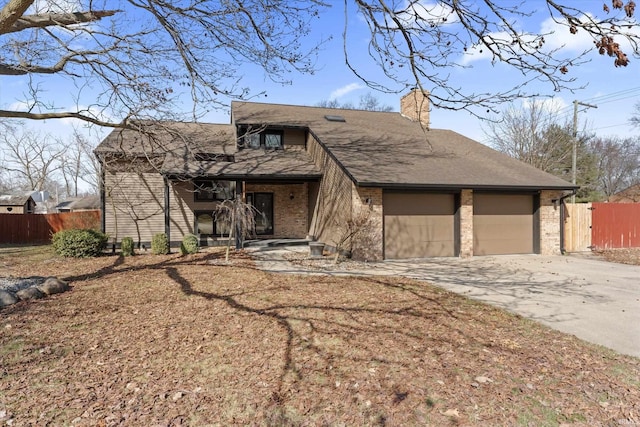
<point x="189" y="244"/>
<point x="160" y="244"/>
<point x="82" y="243"/>
<point x="127" y="246"/>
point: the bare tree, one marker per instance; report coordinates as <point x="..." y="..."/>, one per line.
<point x="367" y="102"/>
<point x="79" y="165"/>
<point x="534" y="135"/>
<point x="141" y="57"/>
<point x="618" y="163"/>
<point x="30" y="158"/>
<point x="531" y="133"/>
<point x="239" y="217"/>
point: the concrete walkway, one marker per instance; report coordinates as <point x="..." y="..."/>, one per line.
<point x="581" y="295"/>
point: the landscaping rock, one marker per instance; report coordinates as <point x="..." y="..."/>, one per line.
<point x="7" y="298"/>
<point x="29" y="293"/>
<point x="53" y="285"/>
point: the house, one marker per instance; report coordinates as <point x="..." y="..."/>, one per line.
<point x="628" y="195"/>
<point x="325" y="173"/>
<point x="17" y="204"/>
<point x="77" y="204"/>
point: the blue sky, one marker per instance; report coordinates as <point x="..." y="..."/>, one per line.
<point x="613" y="90"/>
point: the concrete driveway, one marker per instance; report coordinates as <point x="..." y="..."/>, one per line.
<point x="581" y="295"/>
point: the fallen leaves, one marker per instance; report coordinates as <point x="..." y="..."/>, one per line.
<point x="166" y="340"/>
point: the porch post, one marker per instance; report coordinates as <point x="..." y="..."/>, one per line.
<point x="167" y="216"/>
<point x="238" y="230"/>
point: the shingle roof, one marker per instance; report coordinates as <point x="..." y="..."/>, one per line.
<point x="14" y="200"/>
<point x="628" y="195"/>
<point x="389" y="150"/>
<point x="374" y="148"/>
<point x="180" y="144"/>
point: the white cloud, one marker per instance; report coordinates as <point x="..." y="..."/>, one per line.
<point x="19" y="106"/>
<point x="342" y="91"/>
<point x="552" y="105"/>
<point x="558" y="36"/>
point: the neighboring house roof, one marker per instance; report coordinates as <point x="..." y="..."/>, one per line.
<point x="79" y="203"/>
<point x="14" y="200"/>
<point x="182" y="146"/>
<point x="386" y="149"/>
<point x="628" y="195"/>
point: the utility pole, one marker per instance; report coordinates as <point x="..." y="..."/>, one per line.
<point x="574" y="156"/>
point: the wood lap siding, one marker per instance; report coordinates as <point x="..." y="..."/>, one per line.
<point x="134" y="205"/>
<point x="334" y="203"/>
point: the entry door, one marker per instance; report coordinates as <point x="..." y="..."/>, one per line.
<point x="263" y="202"/>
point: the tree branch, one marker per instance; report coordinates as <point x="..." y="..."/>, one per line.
<point x="61" y="115"/>
<point x="57" y="20"/>
<point x="11" y="12"/>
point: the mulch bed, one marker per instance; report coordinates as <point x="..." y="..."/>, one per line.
<point x="169" y="340"/>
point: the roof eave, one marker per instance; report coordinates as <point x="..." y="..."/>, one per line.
<point x="457" y="187"/>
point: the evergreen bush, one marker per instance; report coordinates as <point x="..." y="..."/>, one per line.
<point x="79" y="243"/>
<point x="127" y="246"/>
<point x="160" y="244"/>
<point x="189" y="244"/>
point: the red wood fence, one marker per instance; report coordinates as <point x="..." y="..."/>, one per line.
<point x="615" y="225"/>
<point x="36" y="228"/>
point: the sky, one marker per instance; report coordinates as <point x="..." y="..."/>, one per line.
<point x="614" y="91"/>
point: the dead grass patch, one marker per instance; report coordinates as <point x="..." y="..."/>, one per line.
<point x="170" y="340"/>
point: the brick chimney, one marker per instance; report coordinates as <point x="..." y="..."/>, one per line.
<point x="415" y="106"/>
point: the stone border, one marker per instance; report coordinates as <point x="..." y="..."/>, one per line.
<point x="14" y="293"/>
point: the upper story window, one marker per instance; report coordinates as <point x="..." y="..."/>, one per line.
<point x="269" y="139"/>
<point x="209" y="190"/>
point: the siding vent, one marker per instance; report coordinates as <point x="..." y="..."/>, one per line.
<point x="332" y="118"/>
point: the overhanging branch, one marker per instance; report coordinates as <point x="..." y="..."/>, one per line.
<point x="57" y="19"/>
<point x="61" y="115"/>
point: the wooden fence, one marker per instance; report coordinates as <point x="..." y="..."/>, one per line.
<point x="615" y="225"/>
<point x="577" y="227"/>
<point x="591" y="226"/>
<point x="38" y="229"/>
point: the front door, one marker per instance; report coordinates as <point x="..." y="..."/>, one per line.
<point x="263" y="202"/>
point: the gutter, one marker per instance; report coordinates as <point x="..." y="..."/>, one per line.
<point x="563" y="214"/>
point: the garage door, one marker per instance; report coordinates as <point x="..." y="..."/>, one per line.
<point x="418" y="225"/>
<point x="503" y="224"/>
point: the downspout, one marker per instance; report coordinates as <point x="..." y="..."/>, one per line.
<point x="563" y="214"/>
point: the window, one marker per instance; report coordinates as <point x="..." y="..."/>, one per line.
<point x="207" y="224"/>
<point x="270" y="139"/>
<point x="273" y="139"/>
<point x="214" y="190"/>
<point x="252" y="140"/>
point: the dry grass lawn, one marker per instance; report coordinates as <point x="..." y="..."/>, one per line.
<point x="169" y="340"/>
